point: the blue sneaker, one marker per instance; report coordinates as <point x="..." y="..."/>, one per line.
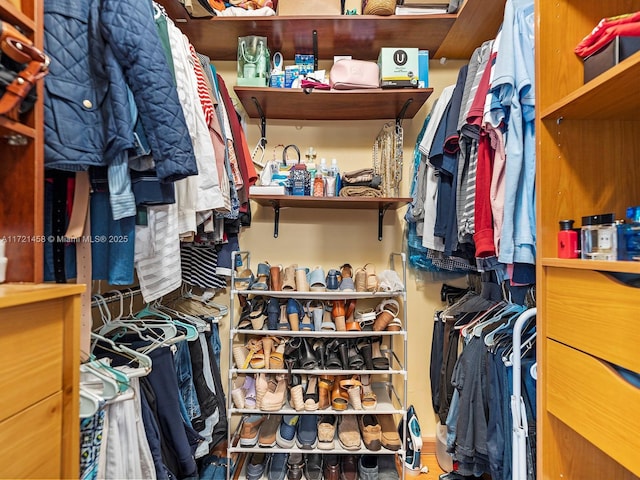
<point x="307" y="436"/>
<point x="278" y="466"/>
<point x="285" y="438"/>
<point x="256" y="466"/>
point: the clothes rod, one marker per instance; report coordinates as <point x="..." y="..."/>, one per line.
<point x="113" y="296"/>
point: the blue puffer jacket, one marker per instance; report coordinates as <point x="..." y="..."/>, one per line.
<point x="97" y="47"/>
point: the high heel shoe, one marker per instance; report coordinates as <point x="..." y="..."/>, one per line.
<point x="276" y="358"/>
<point x="267" y="346"/>
<point x="325" y="384"/>
<point x="261" y="385"/>
<point x="307" y="357"/>
<point x="274" y="398"/>
<point x="350" y="323"/>
<point x="332" y="360"/>
<point x="352" y="386"/>
<point x="337" y="314"/>
<point x="364" y="347"/>
<point x="311" y="396"/>
<point x="380" y="362"/>
<point x="319" y="350"/>
<point x="368" y="399"/>
<point x="339" y="396"/>
<point x="296" y="393"/>
<point x="295" y="313"/>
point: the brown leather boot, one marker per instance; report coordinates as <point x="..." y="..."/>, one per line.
<point x="331" y="467"/>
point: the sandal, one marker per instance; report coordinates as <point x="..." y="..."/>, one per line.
<point x="365" y="318"/>
<point x="254" y="346"/>
<point x="275" y="396"/>
<point x="267" y="347"/>
<point x="257" y="360"/>
<point x="295" y="313"/>
<point x="352" y="386"/>
<point x="361" y="280"/>
<point x="332" y="361"/>
<point x="276" y="359"/>
<point x="262" y="278"/>
<point x="311" y="396"/>
<point x="339" y="397"/>
<point x="283" y="324"/>
<point x="243" y="279"/>
<point x="356" y="360"/>
<point x="296" y="395"/>
<point x="350" y="323"/>
<point x="275" y="278"/>
<point x="315" y="311"/>
<point x="325" y="384"/>
<point x="273" y="313"/>
<point x="364" y="347"/>
<point x="369" y="399"/>
<point x="338" y="315"/>
<point x="371" y="279"/>
<point x="258" y="312"/>
<point x="239" y="355"/>
<point x="327" y="321"/>
<point x="347" y="285"/>
<point x="237" y="393"/>
<point x="380" y="362"/>
<point x="387" y="312"/>
<point x="261" y="385"/>
<point x="249" y="392"/>
<point x="289" y="277"/>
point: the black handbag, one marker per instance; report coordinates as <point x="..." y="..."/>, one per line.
<point x="21" y="66"/>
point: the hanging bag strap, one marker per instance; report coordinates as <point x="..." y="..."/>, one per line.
<point x="20" y="49"/>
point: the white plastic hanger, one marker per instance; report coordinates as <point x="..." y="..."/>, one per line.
<point x="89" y="403"/>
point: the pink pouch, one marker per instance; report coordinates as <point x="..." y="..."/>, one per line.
<point x="354" y="74"/>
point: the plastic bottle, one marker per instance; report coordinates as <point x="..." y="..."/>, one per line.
<point x="567" y="240"/>
<point x="334" y="171"/>
<point x="324" y="169"/>
<point x="318" y="185"/>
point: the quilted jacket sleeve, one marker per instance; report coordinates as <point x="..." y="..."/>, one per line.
<point x="129" y="28"/>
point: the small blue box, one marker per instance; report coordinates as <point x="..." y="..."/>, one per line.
<point x="277" y="79"/>
<point x="423" y="68"/>
<point x="305" y="63"/>
<point x="291" y="73"/>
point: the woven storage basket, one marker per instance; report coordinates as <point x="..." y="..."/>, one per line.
<point x="380" y="7"/>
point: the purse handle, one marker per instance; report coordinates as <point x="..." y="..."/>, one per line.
<point x="284" y="156"/>
<point x="20" y="49"/>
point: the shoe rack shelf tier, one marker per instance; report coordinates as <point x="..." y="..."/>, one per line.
<point x="390" y="395"/>
<point x="382" y="204"/>
<point x="387" y="398"/>
<point x="362" y="36"/>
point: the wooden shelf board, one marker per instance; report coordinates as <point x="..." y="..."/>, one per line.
<point x="11" y="14"/>
<point x="483" y="19"/>
<point x="12" y="294"/>
<point x="355" y="203"/>
<point x="599" y="265"/>
<point x="277" y="103"/>
<point x="362" y="36"/>
<point x="615" y="85"/>
<point x="11" y="127"/>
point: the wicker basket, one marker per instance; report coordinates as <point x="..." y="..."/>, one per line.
<point x="380" y="7"/>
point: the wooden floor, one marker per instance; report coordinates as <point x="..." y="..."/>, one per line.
<point x="429" y="460"/>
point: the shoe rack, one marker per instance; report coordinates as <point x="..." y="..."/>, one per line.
<point x="388" y="384"/>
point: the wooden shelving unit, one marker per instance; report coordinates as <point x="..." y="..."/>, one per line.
<point x="450" y="36"/>
<point x="22" y="167"/>
<point x="587" y="163"/>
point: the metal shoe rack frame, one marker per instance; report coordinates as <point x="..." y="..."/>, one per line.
<point x="389" y="399"/>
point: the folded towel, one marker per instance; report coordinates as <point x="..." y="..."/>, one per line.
<point x="350" y="191"/>
<point x="364" y="175"/>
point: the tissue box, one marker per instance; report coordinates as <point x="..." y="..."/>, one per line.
<point x="605" y="58"/>
<point x="309" y="7"/>
<point x="398" y="67"/>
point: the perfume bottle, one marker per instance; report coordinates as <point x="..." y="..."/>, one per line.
<point x="567" y="240"/>
<point x="599" y="237"/>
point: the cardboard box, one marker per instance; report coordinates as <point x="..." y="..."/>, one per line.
<point x="398" y="67"/>
<point x="309" y="7"/>
<point x="605" y="58"/>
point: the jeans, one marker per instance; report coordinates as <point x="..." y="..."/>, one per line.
<point x="182" y="360"/>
